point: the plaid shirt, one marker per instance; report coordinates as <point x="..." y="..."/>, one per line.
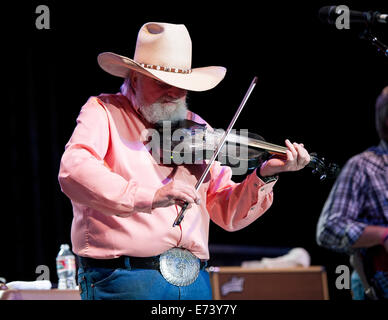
<point x="358" y="198"/>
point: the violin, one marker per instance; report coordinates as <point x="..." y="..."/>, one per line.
<point x="194" y="147"/>
<point x="192" y="142"/>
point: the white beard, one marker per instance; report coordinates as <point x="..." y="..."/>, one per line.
<point x="158" y="112"/>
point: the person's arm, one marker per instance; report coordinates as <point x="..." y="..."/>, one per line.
<point x="339" y="226"/>
<point x="86" y="179"/>
<point x="372" y="236"/>
<point x="233" y="206"/>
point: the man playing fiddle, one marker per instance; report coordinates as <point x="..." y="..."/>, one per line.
<point x="124" y="202"/>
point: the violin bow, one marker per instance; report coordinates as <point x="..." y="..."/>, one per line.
<point x="181" y="214"/>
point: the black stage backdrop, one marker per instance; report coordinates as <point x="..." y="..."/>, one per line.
<point x="317" y="85"/>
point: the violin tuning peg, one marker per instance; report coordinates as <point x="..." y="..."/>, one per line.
<point x="315" y="171"/>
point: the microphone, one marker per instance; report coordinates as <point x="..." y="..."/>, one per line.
<point x="329" y="14"/>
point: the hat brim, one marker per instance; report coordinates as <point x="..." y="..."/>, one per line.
<point x="199" y="79"/>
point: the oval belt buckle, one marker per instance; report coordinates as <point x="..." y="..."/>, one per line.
<point x="179" y="266"/>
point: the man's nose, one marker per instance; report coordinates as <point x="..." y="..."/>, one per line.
<point x="176" y="93"/>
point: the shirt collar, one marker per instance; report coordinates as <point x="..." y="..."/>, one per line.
<point x="131" y="99"/>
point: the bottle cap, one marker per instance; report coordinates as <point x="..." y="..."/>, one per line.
<point x="65" y="246"/>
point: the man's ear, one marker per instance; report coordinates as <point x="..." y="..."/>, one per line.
<point x="134" y="77"/>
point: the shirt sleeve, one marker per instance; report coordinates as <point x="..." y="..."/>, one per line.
<point x="234" y="206"/>
<point x="83" y="175"/>
<point x="338" y="226"/>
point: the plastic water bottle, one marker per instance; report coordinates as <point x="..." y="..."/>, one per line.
<point x="66" y="269"/>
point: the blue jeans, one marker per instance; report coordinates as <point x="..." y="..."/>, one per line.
<point x="357" y="287"/>
<point x="138" y="284"/>
<point x="381" y="285"/>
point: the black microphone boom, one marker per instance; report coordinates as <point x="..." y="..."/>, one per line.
<point x="329" y="14"/>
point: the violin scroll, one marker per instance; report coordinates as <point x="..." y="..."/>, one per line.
<point x="320" y="167"/>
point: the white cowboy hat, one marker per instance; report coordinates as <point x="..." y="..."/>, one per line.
<point x="163" y="52"/>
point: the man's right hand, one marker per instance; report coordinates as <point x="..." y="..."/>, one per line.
<point x="175" y="192"/>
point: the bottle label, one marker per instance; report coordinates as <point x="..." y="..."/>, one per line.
<point x="65" y="264"/>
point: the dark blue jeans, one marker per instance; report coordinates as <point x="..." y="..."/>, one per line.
<point x="138" y="284"/>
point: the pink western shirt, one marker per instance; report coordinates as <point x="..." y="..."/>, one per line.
<point x="107" y="171"/>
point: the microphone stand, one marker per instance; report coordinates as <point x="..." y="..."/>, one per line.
<point x="381" y="47"/>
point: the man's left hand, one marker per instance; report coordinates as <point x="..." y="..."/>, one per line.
<point x="297" y="158"/>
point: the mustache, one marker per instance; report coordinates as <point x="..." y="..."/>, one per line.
<point x="158" y="112"/>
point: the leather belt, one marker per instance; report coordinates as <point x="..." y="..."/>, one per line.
<point x="124" y="262"/>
